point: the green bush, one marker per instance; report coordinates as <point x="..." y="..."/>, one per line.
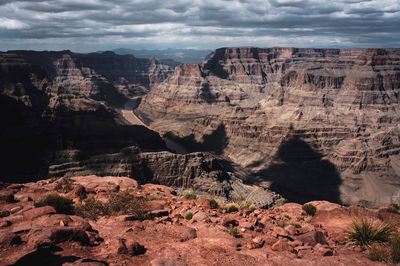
<point x="309" y="209"/>
<point x="125" y="203"/>
<point x="214" y="204"/>
<point x="394" y="252"/>
<point x="231" y="207"/>
<point x="388" y="252"/>
<point x="90" y="208"/>
<point x="188" y="216"/>
<point x="377" y="253"/>
<point x="247" y="205"/>
<point x="233" y="231"/>
<point x="121" y="203"/>
<point x="189" y="196"/>
<point x="364" y="233"/>
<point x="64" y="185"/>
<point x="59" y="203"/>
<point x="393" y="208"/>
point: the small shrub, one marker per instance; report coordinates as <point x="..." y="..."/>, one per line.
<point x="59" y="203"/>
<point x="283" y="201"/>
<point x="364" y="233"/>
<point x="233" y="231"/>
<point x="377" y="253"/>
<point x="188" y="216"/>
<point x="308" y="219"/>
<point x="309" y="209"/>
<point x="189" y="196"/>
<point x="124" y="202"/>
<point x="393" y="208"/>
<point x="214" y="204"/>
<point x="282" y="223"/>
<point x="90" y="208"/>
<point x="394" y="252"/>
<point x="287" y="216"/>
<point x="231" y="207"/>
<point x="64" y="185"/>
<point x="247" y="205"/>
<point x="295" y="225"/>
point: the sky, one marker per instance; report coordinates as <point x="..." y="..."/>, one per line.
<point x="92" y="25"/>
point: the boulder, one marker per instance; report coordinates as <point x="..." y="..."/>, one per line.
<point x="282" y="245"/>
<point x="41" y="237"/>
<point x="313" y="238"/>
<point x="323" y="250"/>
<point x="201" y="217"/>
<point x="8" y="239"/>
<point x="230" y="220"/>
<point x="37" y="212"/>
<point x="6" y="196"/>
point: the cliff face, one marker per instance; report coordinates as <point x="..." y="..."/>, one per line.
<point x="58" y="120"/>
<point x="321" y="120"/>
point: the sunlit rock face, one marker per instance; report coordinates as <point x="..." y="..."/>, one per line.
<point x="310" y="123"/>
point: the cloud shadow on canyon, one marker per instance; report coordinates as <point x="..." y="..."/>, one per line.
<point x="300" y="174"/>
<point x="214" y="142"/>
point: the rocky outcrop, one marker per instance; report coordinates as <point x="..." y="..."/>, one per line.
<point x="279" y="236"/>
<point x="321" y="121"/>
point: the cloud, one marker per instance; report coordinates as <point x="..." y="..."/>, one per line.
<point x="106" y="24"/>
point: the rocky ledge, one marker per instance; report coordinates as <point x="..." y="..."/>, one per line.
<point x="164" y="229"/>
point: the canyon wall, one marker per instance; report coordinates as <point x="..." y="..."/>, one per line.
<point x="309" y="123"/>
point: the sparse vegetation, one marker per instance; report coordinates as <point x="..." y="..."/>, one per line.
<point x="364" y="233"/>
<point x="214" y="204"/>
<point x="286" y="216"/>
<point x="247" y="205"/>
<point x="121" y="203"/>
<point x="377" y="253"/>
<point x="309" y="209"/>
<point x="233" y="231"/>
<point x="188" y="215"/>
<point x="389" y="252"/>
<point x="64" y="185"/>
<point x="90" y="208"/>
<point x="231" y="207"/>
<point x="282" y="223"/>
<point x="393" y="208"/>
<point x="189" y="196"/>
<point x="59" y="203"/>
<point x="308" y="219"/>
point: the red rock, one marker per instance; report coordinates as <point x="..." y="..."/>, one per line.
<point x="8" y="238"/>
<point x="230" y="220"/>
<point x="167" y="262"/>
<point x="323" y="250"/>
<point x="246" y="225"/>
<point x="201" y="217"/>
<point x="21" y="228"/>
<point x="312" y="238"/>
<point x="280" y="231"/>
<point x="52" y="235"/>
<point x="291" y="230"/>
<point x="258" y="241"/>
<point x="282" y="245"/>
<point x="305" y="228"/>
<point x="16" y="209"/>
<point x="37" y="212"/>
<point x="4" y="214"/>
<point x="6" y="196"/>
<point x="159" y="213"/>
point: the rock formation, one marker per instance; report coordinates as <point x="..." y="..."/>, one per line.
<point x="165" y="234"/>
<point x="310" y="123"/>
<point x="59" y="120"/>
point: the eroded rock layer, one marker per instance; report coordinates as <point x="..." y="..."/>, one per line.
<point x="311" y="123"/>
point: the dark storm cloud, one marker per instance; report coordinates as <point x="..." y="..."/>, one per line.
<point x="207" y="23"/>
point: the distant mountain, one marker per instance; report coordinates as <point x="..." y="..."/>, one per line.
<point x="180" y="55"/>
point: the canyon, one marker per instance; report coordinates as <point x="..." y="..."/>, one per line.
<point x="248" y="123"/>
<point x="308" y="123"/>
